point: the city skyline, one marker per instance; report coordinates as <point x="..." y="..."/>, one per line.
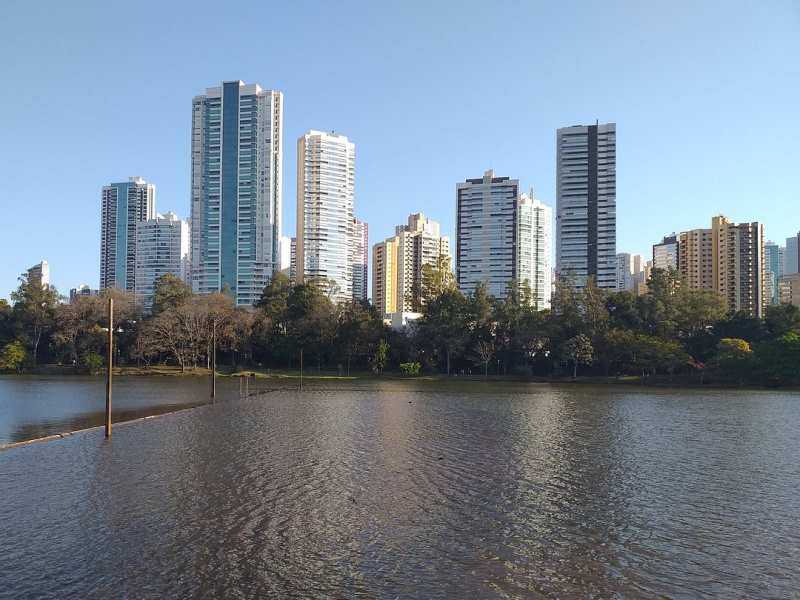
<point x="709" y="142"/>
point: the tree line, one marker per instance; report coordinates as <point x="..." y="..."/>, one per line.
<point x="669" y="332"/>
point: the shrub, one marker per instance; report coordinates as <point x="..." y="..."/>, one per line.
<point x="410" y="368"/>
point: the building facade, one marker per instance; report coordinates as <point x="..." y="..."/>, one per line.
<point x="739" y="270"/>
<point x="359" y="249"/>
<point x="162" y="247"/>
<point x="665" y="253"/>
<point x="586" y="229"/>
<point x="237" y="161"/>
<point x="82" y="291"/>
<point x="285" y="255"/>
<point x="40" y="273"/>
<point x="325" y="199"/>
<point x="696" y="259"/>
<point x="398" y="264"/>
<point x="486" y="233"/>
<point x="123" y="205"/>
<point x="773" y="263"/>
<point x="789" y="289"/>
<point x="791" y="255"/>
<point x="534" y="241"/>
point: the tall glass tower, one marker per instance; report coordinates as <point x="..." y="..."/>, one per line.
<point x="122" y="206"/>
<point x="586" y="180"/>
<point x="237" y="160"/>
<point x="325" y="196"/>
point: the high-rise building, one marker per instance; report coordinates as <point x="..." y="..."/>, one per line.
<point x="359" y="249"/>
<point x="384" y="276"/>
<point x="325" y="197"/>
<point x="486" y="233"/>
<point x="773" y="264"/>
<point x="40" y="273"/>
<point x="398" y="263"/>
<point x="696" y="259"/>
<point x="791" y="255"/>
<point x="789" y="289"/>
<point x="162" y="247"/>
<point x="82" y="291"/>
<point x="123" y="205"/>
<point x="534" y="243"/>
<point x="624" y="272"/>
<point x="641" y="275"/>
<point x="237" y="161"/>
<point x="738" y="268"/>
<point x="586" y="234"/>
<point x="293" y="260"/>
<point x="665" y="253"/>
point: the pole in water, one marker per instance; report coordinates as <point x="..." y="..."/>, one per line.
<point x="214" y="361"/>
<point x="301" y="369"/>
<point x="109" y="365"/>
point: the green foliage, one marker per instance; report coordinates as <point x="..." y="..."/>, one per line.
<point x="170" y="292"/>
<point x="578" y="350"/>
<point x="34" y="313"/>
<point x="381" y="357"/>
<point x="12" y="356"/>
<point x="92" y="361"/>
<point x="411" y="369"/>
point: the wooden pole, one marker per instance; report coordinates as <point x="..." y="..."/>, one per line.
<point x="109" y="365"/>
<point x="214" y="361"/>
<point x="301" y="369"/>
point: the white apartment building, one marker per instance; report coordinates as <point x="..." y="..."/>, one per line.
<point x="359" y="248"/>
<point x="123" y="205"/>
<point x="586" y="233"/>
<point x="237" y="163"/>
<point x="534" y="243"/>
<point x="325" y="199"/>
<point x="162" y="246"/>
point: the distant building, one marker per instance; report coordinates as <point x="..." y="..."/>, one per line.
<point x="293" y="260"/>
<point x="325" y="197"/>
<point x="641" y="275"/>
<point x="665" y="253"/>
<point x="123" y="205"/>
<point x="162" y="248"/>
<point x="773" y="264"/>
<point x="40" y="273"/>
<point x="535" y="248"/>
<point x="624" y="272"/>
<point x="696" y="259"/>
<point x="486" y="233"/>
<point x="82" y="291"/>
<point x="285" y="255"/>
<point x="586" y="230"/>
<point x="398" y="263"/>
<point x="789" y="289"/>
<point x="237" y="162"/>
<point x="359" y="247"/>
<point x="739" y="270"/>
<point x="791" y="255"/>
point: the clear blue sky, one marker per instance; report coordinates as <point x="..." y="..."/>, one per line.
<point x="705" y="96"/>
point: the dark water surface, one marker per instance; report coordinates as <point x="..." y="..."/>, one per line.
<point x="398" y="490"/>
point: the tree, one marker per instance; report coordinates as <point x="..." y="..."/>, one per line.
<point x="436" y="279"/>
<point x="34" y="309"/>
<point x="442" y="329"/>
<point x="483" y="354"/>
<point x="380" y="358"/>
<point x="12" y="356"/>
<point x="781" y="319"/>
<point x="734" y="358"/>
<point x="777" y="360"/>
<point x="170" y="292"/>
<point x="578" y="350"/>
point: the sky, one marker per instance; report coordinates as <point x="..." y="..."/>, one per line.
<point x="705" y="96"/>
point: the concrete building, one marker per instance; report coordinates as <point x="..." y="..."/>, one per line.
<point x="82" y="291"/>
<point x="624" y="272"/>
<point x="773" y="264"/>
<point x="534" y="243"/>
<point x="586" y="230"/>
<point x="40" y="273"/>
<point x="285" y="255"/>
<point x="738" y="268"/>
<point x="791" y="255"/>
<point x="665" y="253"/>
<point x="486" y="233"/>
<point x="122" y="206"/>
<point x="789" y="289"/>
<point x="696" y="259"/>
<point x="641" y="275"/>
<point x="398" y="263"/>
<point x="325" y="198"/>
<point x="359" y="248"/>
<point x="293" y="260"/>
<point x="162" y="247"/>
<point x="237" y="161"/>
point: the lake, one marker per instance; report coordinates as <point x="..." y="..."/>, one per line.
<point x="397" y="489"/>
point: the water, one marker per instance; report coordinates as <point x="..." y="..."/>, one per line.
<point x="36" y="406"/>
<point x="398" y="490"/>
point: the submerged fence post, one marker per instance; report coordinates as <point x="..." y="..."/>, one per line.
<point x="109" y="365"/>
<point x="301" y="369"/>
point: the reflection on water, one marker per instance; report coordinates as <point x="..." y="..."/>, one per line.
<point x="404" y="490"/>
<point x="36" y="406"/>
